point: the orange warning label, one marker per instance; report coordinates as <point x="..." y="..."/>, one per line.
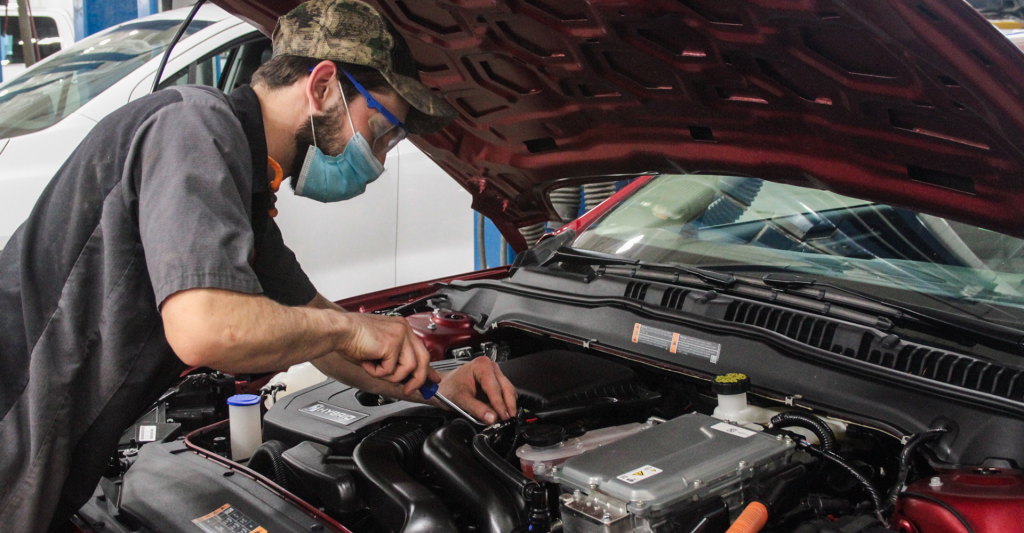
<point x="676" y="342"/>
<point x="227" y="519"/>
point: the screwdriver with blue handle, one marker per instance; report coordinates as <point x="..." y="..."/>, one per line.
<point x="429" y="390"/>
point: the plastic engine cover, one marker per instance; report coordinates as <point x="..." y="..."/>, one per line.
<point x="331" y="414"/>
<point x="169" y="489"/>
<point x="690" y="456"/>
<point x="557" y="377"/>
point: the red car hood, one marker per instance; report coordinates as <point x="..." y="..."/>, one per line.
<point x="909" y="102"/>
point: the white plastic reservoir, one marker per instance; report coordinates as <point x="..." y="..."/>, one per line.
<point x="246" y="434"/>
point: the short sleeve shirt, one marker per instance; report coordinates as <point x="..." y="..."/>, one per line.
<point x="198" y="222"/>
<point x="166" y="194"/>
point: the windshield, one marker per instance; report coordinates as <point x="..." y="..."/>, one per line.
<point x="47" y="94"/>
<point x="746" y="224"/>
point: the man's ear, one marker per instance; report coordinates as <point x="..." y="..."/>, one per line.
<point x="321" y="84"/>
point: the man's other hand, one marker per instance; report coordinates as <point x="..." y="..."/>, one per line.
<point x="387" y="348"/>
<point x="477" y="382"/>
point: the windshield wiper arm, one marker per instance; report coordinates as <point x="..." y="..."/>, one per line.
<point x="711" y="277"/>
<point x="814" y="288"/>
<point x="787" y="289"/>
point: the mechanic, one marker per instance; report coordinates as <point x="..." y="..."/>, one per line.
<point x="153" y="250"/>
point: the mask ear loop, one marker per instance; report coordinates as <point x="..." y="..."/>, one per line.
<point x="311" y="126"/>
<point x="349" y="115"/>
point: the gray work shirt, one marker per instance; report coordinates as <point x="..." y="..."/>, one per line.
<point x="166" y="194"/>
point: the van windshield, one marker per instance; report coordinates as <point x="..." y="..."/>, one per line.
<point x="45" y="95"/>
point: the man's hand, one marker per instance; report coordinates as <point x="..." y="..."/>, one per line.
<point x="481" y="379"/>
<point x="387" y="348"/>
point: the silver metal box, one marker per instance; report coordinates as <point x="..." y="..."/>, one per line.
<point x="682" y="460"/>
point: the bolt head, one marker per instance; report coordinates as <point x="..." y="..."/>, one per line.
<point x="935" y="482"/>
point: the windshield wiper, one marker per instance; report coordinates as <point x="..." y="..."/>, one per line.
<point x="801" y="292"/>
<point x="825" y="291"/>
<point x="671" y="271"/>
<point x="676" y="274"/>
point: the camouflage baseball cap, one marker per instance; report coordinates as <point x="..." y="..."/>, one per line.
<point x="351" y="31"/>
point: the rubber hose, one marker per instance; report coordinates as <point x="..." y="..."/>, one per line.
<point x="904" y="463"/>
<point x="266" y="461"/>
<point x="449" y="458"/>
<point x="810" y="422"/>
<point x="538" y="518"/>
<point x="506" y="474"/>
<point x="751" y="520"/>
<point x="396" y="499"/>
<point x="876" y="497"/>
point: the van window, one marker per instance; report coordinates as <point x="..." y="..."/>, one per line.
<point x="48" y="38"/>
<point x="228" y="68"/>
<point x="46" y="94"/>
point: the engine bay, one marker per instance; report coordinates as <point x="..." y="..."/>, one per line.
<point x="600" y="443"/>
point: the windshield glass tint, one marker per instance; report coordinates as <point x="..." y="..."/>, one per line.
<point x="746" y="224"/>
<point x="43" y="96"/>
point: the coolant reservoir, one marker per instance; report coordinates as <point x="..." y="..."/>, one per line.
<point x="537" y="459"/>
<point x="732" y="406"/>
<point x="297" y="377"/>
<point x="732" y="402"/>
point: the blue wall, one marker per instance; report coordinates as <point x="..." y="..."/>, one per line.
<point x="97" y="15"/>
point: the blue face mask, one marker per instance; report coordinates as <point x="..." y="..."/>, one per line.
<point x="332" y="179"/>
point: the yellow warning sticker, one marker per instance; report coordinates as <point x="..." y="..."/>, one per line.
<point x="639" y="474"/>
<point x="227" y="519"/>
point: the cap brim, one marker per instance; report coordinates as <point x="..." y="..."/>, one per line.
<point x="428" y="112"/>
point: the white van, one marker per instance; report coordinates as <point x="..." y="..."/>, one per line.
<point x="55" y="30"/>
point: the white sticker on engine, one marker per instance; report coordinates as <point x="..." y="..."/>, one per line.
<point x="147" y="433"/>
<point x="640" y="474"/>
<point x="726" y="427"/>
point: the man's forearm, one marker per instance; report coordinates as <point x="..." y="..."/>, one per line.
<point x="237" y="332"/>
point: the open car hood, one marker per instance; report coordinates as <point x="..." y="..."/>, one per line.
<point x="909" y="102"/>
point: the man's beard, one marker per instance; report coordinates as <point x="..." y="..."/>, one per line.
<point x="329" y="129"/>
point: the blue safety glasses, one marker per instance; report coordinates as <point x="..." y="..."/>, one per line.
<point x="387" y="130"/>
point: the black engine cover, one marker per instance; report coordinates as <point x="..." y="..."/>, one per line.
<point x="331" y="413"/>
<point x="559" y="377"/>
<point x="171" y="489"/>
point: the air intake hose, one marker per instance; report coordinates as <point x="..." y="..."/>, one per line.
<point x="538" y="517"/>
<point x="448" y="456"/>
<point x="397" y="500"/>
<point x="266" y="461"/>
